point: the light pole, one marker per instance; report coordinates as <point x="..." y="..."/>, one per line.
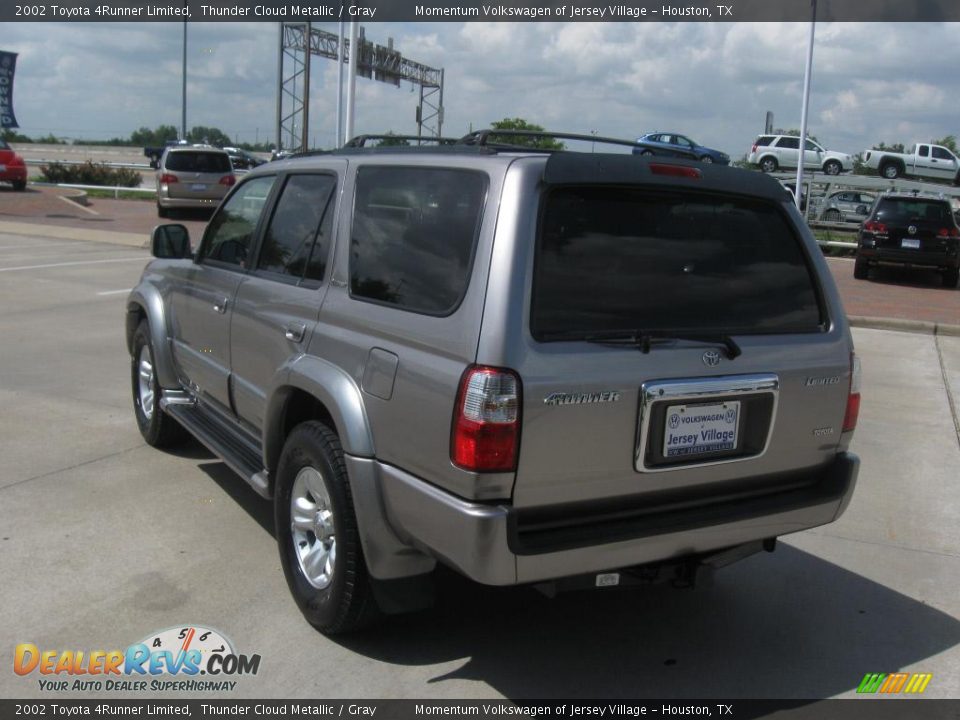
<point x="806" y="102"/>
<point x="183" y="106"/>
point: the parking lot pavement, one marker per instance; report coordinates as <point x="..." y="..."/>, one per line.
<point x="105" y="541"/>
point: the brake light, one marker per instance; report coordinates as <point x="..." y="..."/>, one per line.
<point x="948" y="232"/>
<point x="853" y="397"/>
<point x="167" y="179"/>
<point x="228" y="180"/>
<point x="675" y="170"/>
<point x="754" y="148"/>
<point x="875" y="227"/>
<point x="486" y="423"/>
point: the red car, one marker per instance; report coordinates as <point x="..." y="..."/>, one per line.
<point x="12" y="168"/>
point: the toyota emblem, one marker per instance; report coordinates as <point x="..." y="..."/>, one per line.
<point x="711" y="358"/>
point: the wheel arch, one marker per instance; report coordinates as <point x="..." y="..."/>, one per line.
<point x="146" y="303"/>
<point x="313" y="389"/>
<point x="889" y="160"/>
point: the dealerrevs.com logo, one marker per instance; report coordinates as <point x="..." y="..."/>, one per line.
<point x="169" y="660"/>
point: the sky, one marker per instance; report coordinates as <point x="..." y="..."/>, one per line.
<point x="871" y="82"/>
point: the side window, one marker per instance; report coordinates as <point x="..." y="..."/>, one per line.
<point x="941" y="153"/>
<point x="924" y="151"/>
<point x="790" y="143"/>
<point x="298" y="237"/>
<point x="229" y="235"/>
<point x="811" y="145"/>
<point x="413" y="237"/>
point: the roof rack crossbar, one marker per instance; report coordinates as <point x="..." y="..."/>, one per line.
<point x="361" y="140"/>
<point x="482" y="137"/>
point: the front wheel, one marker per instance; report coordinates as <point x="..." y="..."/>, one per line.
<point x="706" y="159"/>
<point x="832" y="167"/>
<point x="317" y="532"/>
<point x="156" y="427"/>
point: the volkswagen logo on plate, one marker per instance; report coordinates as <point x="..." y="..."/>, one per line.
<point x="711" y="358"/>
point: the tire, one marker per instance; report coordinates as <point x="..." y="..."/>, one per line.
<point x="162" y="211"/>
<point x="832" y="215"/>
<point x="321" y="554"/>
<point x="157" y="428"/>
<point x="19" y="185"/>
<point x="890" y="171"/>
<point x="646" y="153"/>
<point x="832" y="167"/>
<point x="706" y="159"/>
<point x="861" y="269"/>
<point x="768" y="164"/>
<point x="951" y="277"/>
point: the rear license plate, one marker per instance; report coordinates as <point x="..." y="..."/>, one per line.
<point x="198" y="187"/>
<point x="910" y="243"/>
<point x="692" y="430"/>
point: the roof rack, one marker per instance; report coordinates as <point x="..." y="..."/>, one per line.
<point x="361" y="140"/>
<point x="482" y="137"/>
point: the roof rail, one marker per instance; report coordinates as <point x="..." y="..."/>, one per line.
<point x="482" y="137"/>
<point x="361" y="140"/>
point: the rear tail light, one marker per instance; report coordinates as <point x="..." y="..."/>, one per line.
<point x="167" y="179"/>
<point x="486" y="424"/>
<point x="675" y="170"/>
<point x="875" y="227"/>
<point x="853" y="397"/>
<point x="754" y="148"/>
<point x="948" y="232"/>
<point x="228" y="180"/>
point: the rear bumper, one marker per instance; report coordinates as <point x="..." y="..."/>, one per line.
<point x="501" y="545"/>
<point x="909" y="258"/>
<point x="14" y="173"/>
<point x="165" y="201"/>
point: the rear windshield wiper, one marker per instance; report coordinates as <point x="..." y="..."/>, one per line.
<point x="643" y="339"/>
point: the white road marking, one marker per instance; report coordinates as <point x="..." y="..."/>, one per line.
<point x="41" y="246"/>
<point x="115" y="292"/>
<point x="80" y="262"/>
<point x="74" y="204"/>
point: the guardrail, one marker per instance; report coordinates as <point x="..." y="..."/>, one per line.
<point x="117" y="189"/>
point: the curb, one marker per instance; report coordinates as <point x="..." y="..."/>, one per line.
<point x="111" y="237"/>
<point x="901" y="325"/>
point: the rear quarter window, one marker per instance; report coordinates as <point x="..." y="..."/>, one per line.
<point x="611" y="259"/>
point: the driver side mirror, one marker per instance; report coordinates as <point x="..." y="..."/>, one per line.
<point x="170" y="242"/>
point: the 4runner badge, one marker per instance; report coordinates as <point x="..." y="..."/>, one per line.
<point x="560" y="398"/>
<point x="711" y="358"/>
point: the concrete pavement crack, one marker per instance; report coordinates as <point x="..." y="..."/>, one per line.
<point x="951" y="400"/>
<point x="71" y="467"/>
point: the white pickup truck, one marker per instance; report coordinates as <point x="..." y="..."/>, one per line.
<point x="923" y="160"/>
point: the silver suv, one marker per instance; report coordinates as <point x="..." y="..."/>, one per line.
<point x="191" y="177"/>
<point x="533" y="367"/>
<point x="772" y="152"/>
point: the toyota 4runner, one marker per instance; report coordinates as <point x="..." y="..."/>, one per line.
<point x="530" y="366"/>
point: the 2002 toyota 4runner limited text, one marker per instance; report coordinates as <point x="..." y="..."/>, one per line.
<point x="531" y="367"/>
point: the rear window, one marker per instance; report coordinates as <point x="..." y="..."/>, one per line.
<point x="763" y="140"/>
<point x="904" y="210"/>
<point x="202" y="162"/>
<point x="625" y="259"/>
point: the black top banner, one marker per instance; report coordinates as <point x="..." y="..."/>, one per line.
<point x="483" y="11"/>
<point x="8" y="66"/>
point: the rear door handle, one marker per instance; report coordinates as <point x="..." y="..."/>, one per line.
<point x="294" y="331"/>
<point x="221" y="305"/>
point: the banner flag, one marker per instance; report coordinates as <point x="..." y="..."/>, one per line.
<point x="8" y="65"/>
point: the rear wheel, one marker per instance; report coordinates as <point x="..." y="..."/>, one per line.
<point x="768" y="165"/>
<point x="157" y="428"/>
<point x="162" y="211"/>
<point x="951" y="277"/>
<point x="890" y="171"/>
<point x="861" y="269"/>
<point x="646" y="153"/>
<point x="317" y="532"/>
<point x="19" y="185"/>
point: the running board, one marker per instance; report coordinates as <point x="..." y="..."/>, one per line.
<point x="239" y="454"/>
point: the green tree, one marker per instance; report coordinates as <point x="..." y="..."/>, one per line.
<point x="392" y="140"/>
<point x="541" y="143"/>
<point x="145" y="137"/>
<point x="209" y="136"/>
<point x="893" y="147"/>
<point x="11" y="135"/>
